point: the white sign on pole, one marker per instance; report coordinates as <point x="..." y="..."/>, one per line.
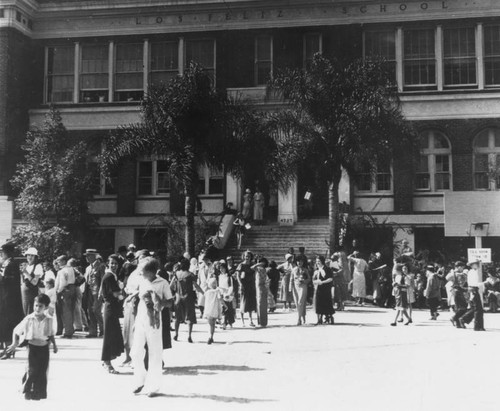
<point x="479" y="254"/>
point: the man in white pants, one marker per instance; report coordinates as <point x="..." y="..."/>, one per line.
<point x="154" y="294"/>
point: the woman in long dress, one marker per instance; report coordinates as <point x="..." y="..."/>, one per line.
<point x="246" y="210"/>
<point x="358" y="277"/>
<point x="285" y="291"/>
<point x="112" y="343"/>
<point x="183" y="287"/>
<point x="11" y="309"/>
<point x="323" y="282"/>
<point x="261" y="290"/>
<point x="299" y="280"/>
<point x="246" y="280"/>
<point x="258" y="206"/>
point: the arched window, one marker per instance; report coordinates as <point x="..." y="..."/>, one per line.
<point x="487" y="160"/>
<point x="433" y="171"/>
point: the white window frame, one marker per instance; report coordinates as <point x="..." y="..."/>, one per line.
<point x="432" y="86"/>
<point x="47" y="75"/>
<point x="430" y="153"/>
<point x="493" y="154"/>
<point x="206" y="173"/>
<point x="472" y="58"/>
<point x="154" y="178"/>
<point x="374" y="183"/>
<point x="256" y="57"/>
<point x="150" y="56"/>
<point x="105" y="95"/>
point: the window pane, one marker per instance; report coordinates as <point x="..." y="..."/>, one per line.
<point x="491" y="55"/>
<point x="94" y="73"/>
<point x="442" y="181"/>
<point x="111" y="184"/>
<point x="129" y="72"/>
<point x="459" y="56"/>
<point x="263" y="59"/>
<point x="164" y="62"/>
<point x="442" y="163"/>
<point x="440" y="141"/>
<point x="60" y="75"/>
<point x="145" y="180"/>
<point x="423" y="164"/>
<point x="422" y="181"/>
<point x="481" y="162"/>
<point x="482" y="139"/>
<point x="381" y="44"/>
<point x="163" y="177"/>
<point x="419" y="59"/>
<point x="383" y="182"/>
<point x="481" y="181"/>
<point x="216" y="186"/>
<point x="424" y="140"/>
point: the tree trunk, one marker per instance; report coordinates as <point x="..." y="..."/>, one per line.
<point x="333" y="210"/>
<point x="190" y="203"/>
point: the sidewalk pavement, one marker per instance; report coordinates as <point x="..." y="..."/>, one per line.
<point x="360" y="363"/>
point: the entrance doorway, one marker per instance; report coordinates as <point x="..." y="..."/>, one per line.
<point x="312" y="193"/>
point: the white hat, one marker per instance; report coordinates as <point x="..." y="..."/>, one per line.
<point x="132" y="246"/>
<point x="287" y="256"/>
<point x="31" y="251"/>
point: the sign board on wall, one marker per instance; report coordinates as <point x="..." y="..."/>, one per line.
<point x="479" y="254"/>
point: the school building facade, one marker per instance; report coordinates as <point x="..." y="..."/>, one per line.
<point x="94" y="60"/>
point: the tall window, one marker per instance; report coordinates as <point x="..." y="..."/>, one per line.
<point x="153" y="178"/>
<point x="210" y="181"/>
<point x="380" y="181"/>
<point x="433" y="170"/>
<point x="94" y="73"/>
<point x="382" y="45"/>
<point x="312" y="45"/>
<point x="202" y="51"/>
<point x="129" y="65"/>
<point x="101" y="185"/>
<point x="419" y="58"/>
<point x="487" y="160"/>
<point x="164" y="59"/>
<point x="263" y="63"/>
<point x="60" y="74"/>
<point x="492" y="55"/>
<point x="459" y="56"/>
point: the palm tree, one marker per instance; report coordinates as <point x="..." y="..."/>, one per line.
<point x="190" y="125"/>
<point x="345" y="115"/>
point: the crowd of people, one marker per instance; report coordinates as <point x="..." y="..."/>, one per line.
<point x="135" y="302"/>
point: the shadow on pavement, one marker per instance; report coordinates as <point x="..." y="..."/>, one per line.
<point x="207" y="369"/>
<point x="357" y="324"/>
<point x="218" y="398"/>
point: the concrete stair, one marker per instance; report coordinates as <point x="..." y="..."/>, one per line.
<point x="272" y="240"/>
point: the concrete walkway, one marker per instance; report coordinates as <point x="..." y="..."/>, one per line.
<point x="360" y="363"/>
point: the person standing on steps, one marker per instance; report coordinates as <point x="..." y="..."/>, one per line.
<point x="246" y="210"/>
<point x="258" y="206"/>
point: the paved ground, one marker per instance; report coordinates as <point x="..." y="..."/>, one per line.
<point x="360" y="363"/>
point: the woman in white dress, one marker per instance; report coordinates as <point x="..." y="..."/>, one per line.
<point x="358" y="277"/>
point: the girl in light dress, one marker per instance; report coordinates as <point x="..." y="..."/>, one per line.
<point x="358" y="277"/>
<point x="299" y="280"/>
<point x="410" y="290"/>
<point x="213" y="306"/>
<point x="285" y="291"/>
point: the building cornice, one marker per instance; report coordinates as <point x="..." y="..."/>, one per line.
<point x="132" y="17"/>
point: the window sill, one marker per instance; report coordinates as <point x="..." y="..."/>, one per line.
<point x="104" y="197"/>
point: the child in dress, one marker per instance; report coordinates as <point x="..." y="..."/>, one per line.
<point x="213" y="306"/>
<point x="38" y="331"/>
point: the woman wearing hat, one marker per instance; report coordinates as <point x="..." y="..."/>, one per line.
<point x="11" y="309"/>
<point x="31" y="277"/>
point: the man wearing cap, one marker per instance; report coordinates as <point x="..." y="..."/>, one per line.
<point x="93" y="277"/>
<point x="65" y="287"/>
<point x="31" y="276"/>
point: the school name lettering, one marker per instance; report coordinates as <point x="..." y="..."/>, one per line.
<point x="276" y="14"/>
